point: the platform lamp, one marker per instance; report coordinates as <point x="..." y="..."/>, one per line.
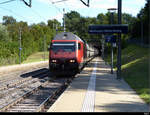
<point x="112" y="11"/>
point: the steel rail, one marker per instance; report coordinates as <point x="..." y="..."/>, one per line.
<point x="4" y="108"/>
<point x="49" y="98"/>
<point x="59" y="87"/>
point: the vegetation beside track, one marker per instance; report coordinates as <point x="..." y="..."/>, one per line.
<point x="39" y="56"/>
<point x="135" y="69"/>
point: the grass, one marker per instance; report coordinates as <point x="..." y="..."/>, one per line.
<point x="135" y="70"/>
<point x="39" y="56"/>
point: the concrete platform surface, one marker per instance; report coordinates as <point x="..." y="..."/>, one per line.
<point x="96" y="90"/>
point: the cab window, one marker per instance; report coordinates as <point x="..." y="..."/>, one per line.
<point x="79" y="46"/>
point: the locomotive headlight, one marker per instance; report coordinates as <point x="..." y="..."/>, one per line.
<point x="72" y="61"/>
<point x="54" y="61"/>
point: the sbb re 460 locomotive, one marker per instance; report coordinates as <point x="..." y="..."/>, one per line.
<point x="68" y="54"/>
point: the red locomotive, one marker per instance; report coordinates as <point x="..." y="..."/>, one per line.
<point x="68" y="54"/>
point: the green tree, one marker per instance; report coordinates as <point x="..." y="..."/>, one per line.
<point x="72" y="21"/>
<point x="8" y="20"/>
<point x="4" y="35"/>
<point x="141" y="23"/>
<point x="53" y="24"/>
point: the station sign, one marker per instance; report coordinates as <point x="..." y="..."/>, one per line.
<point x="110" y="38"/>
<point x="108" y="29"/>
<point x="20" y="48"/>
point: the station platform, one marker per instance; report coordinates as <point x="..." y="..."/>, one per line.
<point x="95" y="89"/>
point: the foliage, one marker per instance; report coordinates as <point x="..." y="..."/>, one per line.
<point x="39" y="56"/>
<point x="34" y="38"/>
<point x="141" y="23"/>
<point x="37" y="37"/>
<point x="4" y="35"/>
<point x="8" y="20"/>
<point x="135" y="69"/>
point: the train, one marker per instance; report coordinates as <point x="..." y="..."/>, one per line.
<point x="68" y="54"/>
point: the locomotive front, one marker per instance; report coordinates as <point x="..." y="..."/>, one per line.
<point x="63" y="56"/>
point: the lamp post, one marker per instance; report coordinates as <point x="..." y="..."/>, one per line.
<point x="119" y="41"/>
<point x="112" y="11"/>
<point x="64" y="24"/>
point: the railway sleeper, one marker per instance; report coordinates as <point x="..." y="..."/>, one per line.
<point x="27" y="104"/>
<point x="22" y="110"/>
<point x="36" y="100"/>
<point x="23" y="107"/>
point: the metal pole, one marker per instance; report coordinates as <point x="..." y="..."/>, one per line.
<point x="20" y="45"/>
<point x="44" y="47"/>
<point x="112" y="46"/>
<point x="111" y="58"/>
<point x="119" y="41"/>
<point x="103" y="41"/>
<point x="56" y="29"/>
<point x="111" y="10"/>
<point x="64" y="20"/>
<point x="141" y="32"/>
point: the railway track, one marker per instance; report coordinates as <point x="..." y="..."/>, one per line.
<point x="20" y="86"/>
<point x="15" y="79"/>
<point x="31" y="91"/>
<point x="38" y="99"/>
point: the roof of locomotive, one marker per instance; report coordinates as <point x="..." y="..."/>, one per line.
<point x="67" y="36"/>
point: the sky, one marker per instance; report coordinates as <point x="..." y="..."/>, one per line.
<point x="43" y="10"/>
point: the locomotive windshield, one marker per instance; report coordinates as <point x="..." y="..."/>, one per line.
<point x="64" y="46"/>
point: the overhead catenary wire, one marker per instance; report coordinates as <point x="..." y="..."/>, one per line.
<point x="59" y="1"/>
<point x="66" y="5"/>
<point x="86" y="4"/>
<point x="28" y="4"/>
<point x="7" y="1"/>
<point x="13" y="12"/>
<point x="75" y="6"/>
<point x="64" y="1"/>
<point x="35" y="12"/>
<point x="18" y="15"/>
<point x="56" y="7"/>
